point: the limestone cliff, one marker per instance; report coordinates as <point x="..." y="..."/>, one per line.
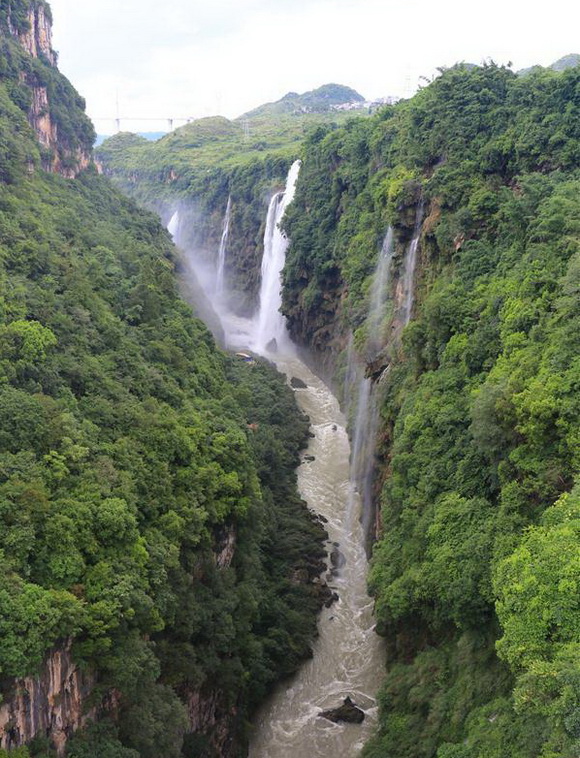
<point x="54" y="110"/>
<point x="37" y="38"/>
<point x="51" y="704"/>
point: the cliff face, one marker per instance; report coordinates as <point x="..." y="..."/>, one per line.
<point x="54" y="110"/>
<point x="50" y="704"/>
<point x="37" y="38"/>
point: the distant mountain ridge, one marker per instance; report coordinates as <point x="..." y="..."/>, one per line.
<point x="320" y="100"/>
<point x="567" y="61"/>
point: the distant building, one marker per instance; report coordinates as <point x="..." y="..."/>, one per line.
<point x="369" y="105"/>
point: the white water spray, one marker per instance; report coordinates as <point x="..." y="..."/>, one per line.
<point x="221" y="262"/>
<point x="348" y="655"/>
<point x="173" y="226"/>
<point x="270" y="323"/>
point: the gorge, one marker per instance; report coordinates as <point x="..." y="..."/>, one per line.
<point x="162" y="574"/>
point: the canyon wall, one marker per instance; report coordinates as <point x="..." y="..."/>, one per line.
<point x="54" y="109"/>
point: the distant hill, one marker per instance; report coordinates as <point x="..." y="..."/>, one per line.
<point x="568" y="61"/>
<point x="319" y="100"/>
<point x="149" y="136"/>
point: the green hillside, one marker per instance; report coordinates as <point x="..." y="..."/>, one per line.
<point x="128" y="464"/>
<point x="196" y="168"/>
<point x="148" y="505"/>
<point x="476" y="567"/>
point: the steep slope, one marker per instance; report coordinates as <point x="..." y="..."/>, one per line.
<point x="155" y="556"/>
<point x="477" y="560"/>
<point x="475" y="362"/>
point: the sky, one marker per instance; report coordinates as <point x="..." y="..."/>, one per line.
<point x="193" y="58"/>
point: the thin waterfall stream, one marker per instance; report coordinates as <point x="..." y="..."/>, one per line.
<point x="363" y="392"/>
<point x="348" y="656"/>
<point x="221" y="261"/>
<point x="409" y="266"/>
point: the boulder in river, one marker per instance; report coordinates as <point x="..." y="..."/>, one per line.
<point x="297" y="383"/>
<point x="337" y="559"/>
<point x="348" y="712"/>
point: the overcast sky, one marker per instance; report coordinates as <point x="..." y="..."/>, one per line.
<point x="191" y="58"/>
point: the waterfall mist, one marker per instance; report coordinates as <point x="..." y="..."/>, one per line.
<point x="221" y="261"/>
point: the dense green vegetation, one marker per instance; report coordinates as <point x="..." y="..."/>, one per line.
<point x="477" y="568"/>
<point x="148" y="504"/>
<point x="125" y="454"/>
<point x="133" y="454"/>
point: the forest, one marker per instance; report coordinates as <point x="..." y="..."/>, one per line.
<point x="133" y="450"/>
<point x="476" y="566"/>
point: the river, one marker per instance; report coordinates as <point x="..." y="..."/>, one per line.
<point x="348" y="656"/>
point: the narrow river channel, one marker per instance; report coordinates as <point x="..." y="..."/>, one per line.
<point x="348" y="657"/>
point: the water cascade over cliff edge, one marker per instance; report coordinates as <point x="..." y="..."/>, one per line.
<point x="221" y="261"/>
<point x="270" y="323"/>
<point x="407" y="280"/>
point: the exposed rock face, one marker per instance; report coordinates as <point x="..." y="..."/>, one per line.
<point x="207" y="715"/>
<point x="58" y="157"/>
<point x="226" y="547"/>
<point x="50" y="704"/>
<point x="37" y="40"/>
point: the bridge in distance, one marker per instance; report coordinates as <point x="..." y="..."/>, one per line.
<point x="170" y="121"/>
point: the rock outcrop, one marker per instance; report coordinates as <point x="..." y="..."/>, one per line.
<point x="348" y="712"/>
<point x="37" y="39"/>
<point x="208" y="715"/>
<point x="66" y="148"/>
<point x="50" y="704"/>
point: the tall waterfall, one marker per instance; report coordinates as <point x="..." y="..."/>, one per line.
<point x="366" y="421"/>
<point x="409" y="266"/>
<point x="270" y="323"/>
<point x="221" y="261"/>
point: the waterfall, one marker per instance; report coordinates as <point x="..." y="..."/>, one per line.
<point x="173" y="226"/>
<point x="221" y="262"/>
<point x="366" y="421"/>
<point x="270" y="323"/>
<point x="409" y="266"/>
<point x="379" y="294"/>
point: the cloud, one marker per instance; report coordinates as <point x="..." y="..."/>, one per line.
<point x="193" y="57"/>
